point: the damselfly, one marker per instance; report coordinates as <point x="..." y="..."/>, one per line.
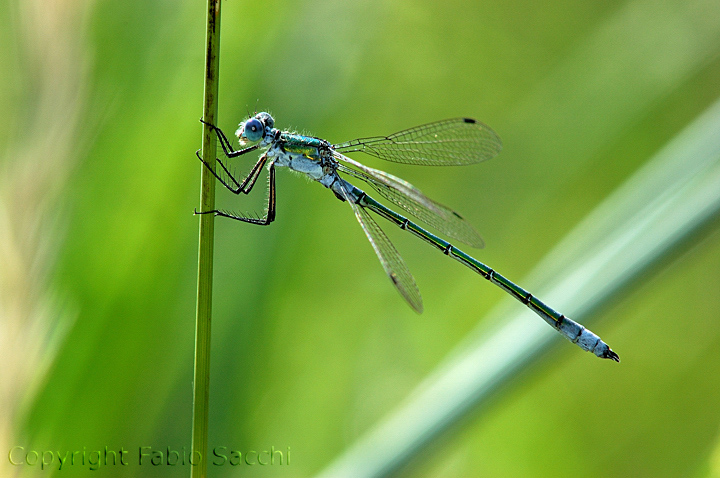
<point x="450" y="142"/>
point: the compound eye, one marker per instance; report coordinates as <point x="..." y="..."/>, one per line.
<point x="253" y="130"/>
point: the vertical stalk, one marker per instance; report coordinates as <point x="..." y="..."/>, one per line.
<point x="201" y="381"/>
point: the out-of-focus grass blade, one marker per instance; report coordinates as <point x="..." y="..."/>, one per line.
<point x="639" y="225"/>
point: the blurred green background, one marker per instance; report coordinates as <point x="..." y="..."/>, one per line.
<point x="311" y="345"/>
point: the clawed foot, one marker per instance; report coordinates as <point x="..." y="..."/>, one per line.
<point x="209" y="124"/>
<point x="197" y="213"/>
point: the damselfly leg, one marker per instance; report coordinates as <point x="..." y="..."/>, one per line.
<point x="246" y="184"/>
<point x="263" y="221"/>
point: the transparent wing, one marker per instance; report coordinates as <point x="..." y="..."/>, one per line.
<point x="443" y="143"/>
<point x="412" y="200"/>
<point x="390" y="258"/>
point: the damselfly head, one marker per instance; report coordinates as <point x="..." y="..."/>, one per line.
<point x="255" y="128"/>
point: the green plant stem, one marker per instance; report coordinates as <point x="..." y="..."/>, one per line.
<point x="201" y="381"/>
